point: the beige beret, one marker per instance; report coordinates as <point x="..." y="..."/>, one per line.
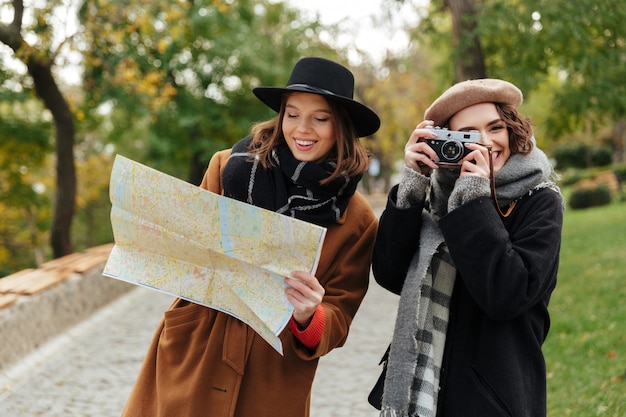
<point x="468" y="93"/>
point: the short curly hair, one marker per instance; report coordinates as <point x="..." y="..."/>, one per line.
<point x="520" y="128"/>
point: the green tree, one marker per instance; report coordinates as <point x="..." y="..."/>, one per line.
<point x="577" y="46"/>
<point x="454" y="26"/>
<point x="39" y="54"/>
<point x="24" y="202"/>
<point x="184" y="72"/>
<point x="570" y="52"/>
<point x="400" y="94"/>
<point x="468" y="58"/>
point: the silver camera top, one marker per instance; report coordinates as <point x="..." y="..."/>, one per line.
<point x="445" y="134"/>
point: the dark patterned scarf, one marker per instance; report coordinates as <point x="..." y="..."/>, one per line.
<point x="291" y="188"/>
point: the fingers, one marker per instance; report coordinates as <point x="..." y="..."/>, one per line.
<point x="417" y="154"/>
<point x="477" y="161"/>
<point x="305" y="293"/>
<point x="421" y="131"/>
<point x="303" y="281"/>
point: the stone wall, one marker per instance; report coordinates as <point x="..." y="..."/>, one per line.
<point x="38" y="304"/>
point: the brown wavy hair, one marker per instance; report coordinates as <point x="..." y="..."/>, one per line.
<point x="520" y="129"/>
<point x="351" y="157"/>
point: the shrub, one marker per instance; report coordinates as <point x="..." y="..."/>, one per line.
<point x="620" y="171"/>
<point x="580" y="155"/>
<point x="601" y="156"/>
<point x="589" y="194"/>
<point x="570" y="156"/>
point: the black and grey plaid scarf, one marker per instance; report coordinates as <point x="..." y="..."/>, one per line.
<point x="416" y="352"/>
<point x="291" y="188"/>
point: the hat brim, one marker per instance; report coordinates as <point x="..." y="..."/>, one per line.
<point x="365" y="120"/>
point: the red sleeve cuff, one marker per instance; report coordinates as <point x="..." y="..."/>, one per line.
<point x="312" y="334"/>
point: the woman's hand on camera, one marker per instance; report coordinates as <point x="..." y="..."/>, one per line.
<point x="418" y="155"/>
<point x="477" y="161"/>
<point x="305" y="293"/>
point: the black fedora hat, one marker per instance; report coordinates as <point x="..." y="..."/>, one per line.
<point x="327" y="78"/>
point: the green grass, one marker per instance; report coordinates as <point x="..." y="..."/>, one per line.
<point x="586" y="347"/>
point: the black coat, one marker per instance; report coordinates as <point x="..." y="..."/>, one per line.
<point x="506" y="271"/>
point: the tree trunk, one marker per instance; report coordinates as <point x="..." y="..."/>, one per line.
<point x="64" y="204"/>
<point x="470" y="63"/>
<point x="40" y="69"/>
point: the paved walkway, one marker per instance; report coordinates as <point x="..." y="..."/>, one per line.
<point x="89" y="370"/>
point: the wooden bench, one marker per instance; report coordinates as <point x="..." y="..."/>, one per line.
<point x="32" y="281"/>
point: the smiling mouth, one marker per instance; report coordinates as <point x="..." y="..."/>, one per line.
<point x="304" y="143"/>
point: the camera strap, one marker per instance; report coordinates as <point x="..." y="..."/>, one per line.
<point x="492" y="182"/>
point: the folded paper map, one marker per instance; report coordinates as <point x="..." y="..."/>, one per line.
<point x="182" y="240"/>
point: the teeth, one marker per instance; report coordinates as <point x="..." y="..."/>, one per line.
<point x="305" y="142"/>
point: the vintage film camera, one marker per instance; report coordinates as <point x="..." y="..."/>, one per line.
<point x="450" y="145"/>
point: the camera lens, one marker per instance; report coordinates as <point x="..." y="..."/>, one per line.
<point x="452" y="150"/>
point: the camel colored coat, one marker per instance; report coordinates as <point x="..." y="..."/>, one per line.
<point x="205" y="363"/>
